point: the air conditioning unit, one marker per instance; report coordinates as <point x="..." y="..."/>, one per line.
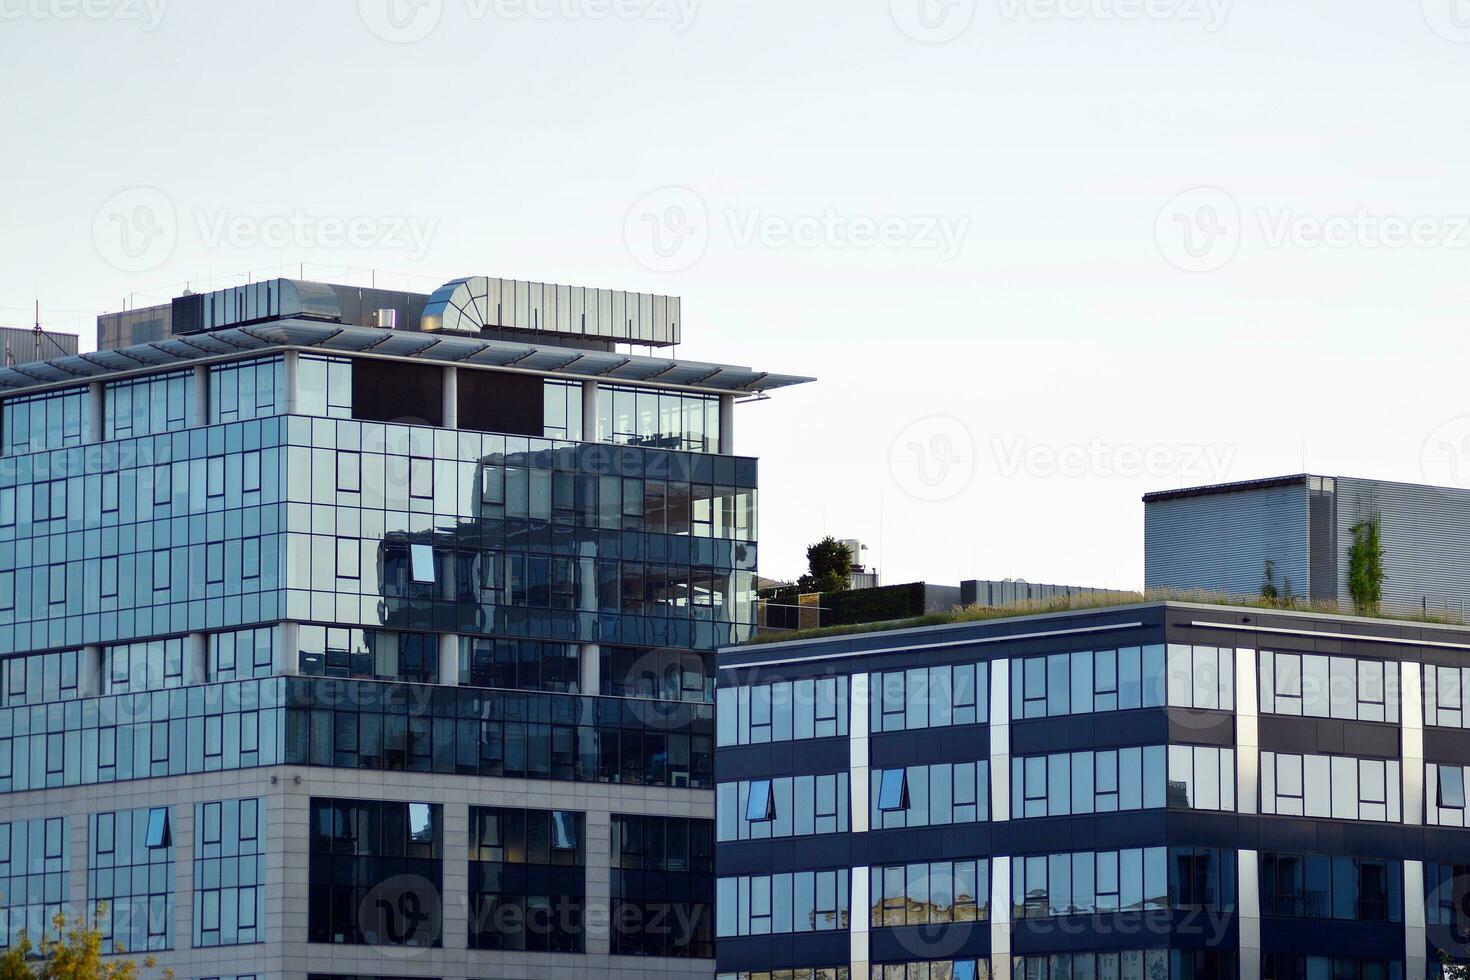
<point x="386" y="319"/>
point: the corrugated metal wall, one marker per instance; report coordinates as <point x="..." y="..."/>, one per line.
<point x="1426" y="541"/>
<point x="21" y="343"/>
<point x="1220" y="542"/>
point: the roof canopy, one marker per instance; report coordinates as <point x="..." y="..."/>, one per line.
<point x="232" y="343"/>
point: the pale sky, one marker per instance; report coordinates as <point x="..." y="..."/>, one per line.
<point x="1044" y="255"/>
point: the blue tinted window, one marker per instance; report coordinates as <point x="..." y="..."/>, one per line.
<point x="760" y="806"/>
<point x="893" y="790"/>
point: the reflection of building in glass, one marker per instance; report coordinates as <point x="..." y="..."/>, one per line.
<point x="351" y="598"/>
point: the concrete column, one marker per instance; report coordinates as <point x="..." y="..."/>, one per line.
<point x="1416" y="943"/>
<point x="1247" y="879"/>
<point x="1411" y="748"/>
<point x="859" y="918"/>
<point x="76" y="872"/>
<point x="289" y="383"/>
<point x="1000" y="740"/>
<point x="454" y="900"/>
<point x="727" y="425"/>
<point x="857" y="751"/>
<point x="91" y="672"/>
<point x="589" y="667"/>
<point x="449" y="659"/>
<point x="196" y="659"/>
<point x="1247" y="732"/>
<point x="598" y="922"/>
<point x="451" y="398"/>
<point x="288" y="649"/>
<point x="589" y="411"/>
<point x="1000" y="918"/>
<point x="182" y="832"/>
<point x="96" y="411"/>
<point x="201" y="395"/>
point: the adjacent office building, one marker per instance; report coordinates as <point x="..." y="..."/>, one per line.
<point x="355" y="633"/>
<point x="1219" y="539"/>
<point x="1161" y="791"/>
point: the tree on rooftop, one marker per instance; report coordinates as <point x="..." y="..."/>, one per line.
<point x="829" y="564"/>
<point x="1365" y="567"/>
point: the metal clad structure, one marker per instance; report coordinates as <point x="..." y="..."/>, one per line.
<point x="21" y="345"/>
<point x="1426" y="541"/>
<point x="1219" y="538"/>
<point x="1220" y="541"/>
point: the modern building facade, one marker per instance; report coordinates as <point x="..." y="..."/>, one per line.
<point x="344" y="635"/>
<point x="1219" y="539"/>
<point x="1163" y="791"/>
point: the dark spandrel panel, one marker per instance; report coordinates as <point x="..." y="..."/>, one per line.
<point x="497" y="402"/>
<point x="391" y="391"/>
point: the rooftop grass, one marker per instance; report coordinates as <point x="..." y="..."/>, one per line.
<point x="1102" y="600"/>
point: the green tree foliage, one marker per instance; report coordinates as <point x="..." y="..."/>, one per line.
<point x="73" y="953"/>
<point x="1365" y="567"/>
<point x="829" y="564"/>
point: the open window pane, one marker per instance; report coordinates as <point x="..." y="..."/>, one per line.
<point x="893" y="792"/>
<point x="1452" y="787"/>
<point x="158" y="832"/>
<point x="760" y="807"/>
<point x="563" y="830"/>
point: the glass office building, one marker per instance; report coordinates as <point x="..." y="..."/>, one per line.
<point x="1151" y="792"/>
<point x="365" y="635"/>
